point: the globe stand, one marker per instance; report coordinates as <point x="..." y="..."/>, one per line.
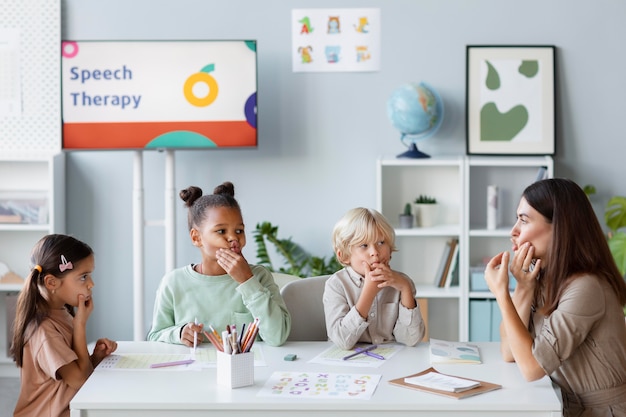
<point x="413" y="152"/>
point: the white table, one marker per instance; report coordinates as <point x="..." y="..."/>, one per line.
<point x="158" y="393"/>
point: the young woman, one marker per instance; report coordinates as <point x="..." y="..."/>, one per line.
<point x="565" y="318"/>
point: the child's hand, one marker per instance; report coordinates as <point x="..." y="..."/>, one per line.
<point x="83" y="310"/>
<point x="187" y="335"/>
<point x="384" y="276"/>
<point x="104" y="347"/>
<point x="370" y="285"/>
<point x="234" y="264"/>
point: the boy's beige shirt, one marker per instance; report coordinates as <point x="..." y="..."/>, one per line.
<point x="387" y="321"/>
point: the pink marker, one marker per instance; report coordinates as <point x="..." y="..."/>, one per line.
<point x="175" y="363"/>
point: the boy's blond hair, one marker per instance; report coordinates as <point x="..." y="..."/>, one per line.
<point x="357" y="226"/>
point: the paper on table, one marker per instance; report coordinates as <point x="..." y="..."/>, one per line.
<point x="482" y="388"/>
<point x="306" y="385"/>
<point x="442" y="382"/>
<point x="334" y="356"/>
<point x="205" y="358"/>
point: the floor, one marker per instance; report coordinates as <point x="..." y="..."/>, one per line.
<point x="9" y="390"/>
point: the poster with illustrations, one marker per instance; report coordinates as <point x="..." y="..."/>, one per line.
<point x="325" y="40"/>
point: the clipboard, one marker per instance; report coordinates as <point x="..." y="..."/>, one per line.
<point x="482" y="388"/>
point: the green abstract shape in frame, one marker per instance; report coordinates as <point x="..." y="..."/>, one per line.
<point x="529" y="68"/>
<point x="501" y="127"/>
<point x="493" y="78"/>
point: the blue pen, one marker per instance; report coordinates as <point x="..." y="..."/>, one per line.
<point x="360" y="351"/>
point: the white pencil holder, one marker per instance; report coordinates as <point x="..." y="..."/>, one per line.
<point x="236" y="370"/>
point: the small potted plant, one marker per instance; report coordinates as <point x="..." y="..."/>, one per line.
<point x="406" y="218"/>
<point x="426" y="210"/>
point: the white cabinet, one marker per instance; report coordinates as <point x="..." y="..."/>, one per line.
<point x="36" y="184"/>
<point x="460" y="186"/>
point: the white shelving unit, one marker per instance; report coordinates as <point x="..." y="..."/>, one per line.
<point x="42" y="178"/>
<point x="401" y="181"/>
<point x="511" y="175"/>
<point x="460" y="186"/>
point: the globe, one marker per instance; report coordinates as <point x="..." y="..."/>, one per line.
<point x="416" y="110"/>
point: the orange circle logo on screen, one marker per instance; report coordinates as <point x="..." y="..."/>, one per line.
<point x="201" y="77"/>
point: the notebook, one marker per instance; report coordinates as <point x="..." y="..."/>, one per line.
<point x="481" y="388"/>
<point x="442" y="351"/>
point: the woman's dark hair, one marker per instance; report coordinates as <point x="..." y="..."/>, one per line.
<point x="223" y="196"/>
<point x="579" y="245"/>
<point x="32" y="308"/>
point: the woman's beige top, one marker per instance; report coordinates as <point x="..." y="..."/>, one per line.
<point x="582" y="347"/>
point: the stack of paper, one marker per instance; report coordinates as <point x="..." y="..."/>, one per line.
<point x="431" y="381"/>
<point x="442" y="382"/>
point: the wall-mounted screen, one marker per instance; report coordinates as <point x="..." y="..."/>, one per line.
<point x="159" y="94"/>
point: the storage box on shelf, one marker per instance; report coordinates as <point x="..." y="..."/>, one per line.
<point x="420" y="248"/>
<point x="485" y="319"/>
<point x="460" y="186"/>
<point x="33" y="188"/>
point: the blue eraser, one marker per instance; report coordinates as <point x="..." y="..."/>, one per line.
<point x="291" y="357"/>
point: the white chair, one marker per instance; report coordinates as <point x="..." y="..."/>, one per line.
<point x="304" y="301"/>
<point x="282" y="279"/>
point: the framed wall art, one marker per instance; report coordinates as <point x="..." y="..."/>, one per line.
<point x="510" y="100"/>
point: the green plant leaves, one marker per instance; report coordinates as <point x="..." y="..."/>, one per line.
<point x="617" y="244"/>
<point x="615" y="218"/>
<point x="615" y="213"/>
<point x="298" y="261"/>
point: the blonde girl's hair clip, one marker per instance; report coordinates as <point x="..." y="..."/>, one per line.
<point x="65" y="265"/>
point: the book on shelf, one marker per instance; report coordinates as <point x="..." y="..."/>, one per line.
<point x="432" y="381"/>
<point x="443" y="351"/>
<point x="23" y="210"/>
<point x="445" y="263"/>
<point x="453" y="269"/>
<point x="9" y="277"/>
<point x="7" y="215"/>
<point x="442" y="264"/>
<point x="453" y="276"/>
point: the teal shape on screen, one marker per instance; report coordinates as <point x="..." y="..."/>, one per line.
<point x="501" y="127"/>
<point x="251" y="45"/>
<point x="208" y="68"/>
<point x="181" y="139"/>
